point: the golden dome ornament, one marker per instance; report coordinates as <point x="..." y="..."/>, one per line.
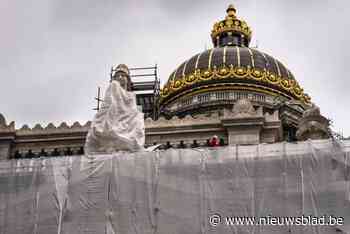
<point x="231" y="25"/>
<point x="232" y="64"/>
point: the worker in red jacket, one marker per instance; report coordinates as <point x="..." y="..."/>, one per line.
<point x="214" y="141"/>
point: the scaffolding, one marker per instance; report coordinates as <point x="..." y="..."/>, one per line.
<point x="146" y="85"/>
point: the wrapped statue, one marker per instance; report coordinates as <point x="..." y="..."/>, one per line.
<point x="118" y="125"/>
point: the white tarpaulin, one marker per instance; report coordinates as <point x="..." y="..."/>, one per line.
<point x="118" y="125"/>
<point x="177" y="191"/>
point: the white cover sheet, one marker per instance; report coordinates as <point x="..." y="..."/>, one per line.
<point x="118" y="125"/>
<point x="176" y="191"/>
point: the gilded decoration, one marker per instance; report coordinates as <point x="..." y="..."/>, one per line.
<point x="231" y="24"/>
<point x="272" y="76"/>
<point x="291" y="87"/>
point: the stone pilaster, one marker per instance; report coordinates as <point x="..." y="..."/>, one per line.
<point x="243" y="123"/>
<point x="243" y="130"/>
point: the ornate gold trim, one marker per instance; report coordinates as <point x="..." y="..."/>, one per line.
<point x="289" y="86"/>
<point x="231" y="24"/>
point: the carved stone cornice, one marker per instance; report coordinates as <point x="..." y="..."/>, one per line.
<point x="50" y="129"/>
<point x="7" y="128"/>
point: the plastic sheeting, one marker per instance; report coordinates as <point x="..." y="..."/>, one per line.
<point x="176" y="191"/>
<point x="118" y="125"/>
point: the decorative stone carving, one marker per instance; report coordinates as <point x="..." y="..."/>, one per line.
<point x="243" y="108"/>
<point x="25" y="127"/>
<point x="188" y="120"/>
<point x="76" y="125"/>
<point x="118" y="125"/>
<point x="52" y="129"/>
<point x="63" y="125"/>
<point x="313" y="125"/>
<point x="38" y="127"/>
<point x="312" y="111"/>
<point x="11" y="126"/>
<point x="2" y="120"/>
<point x="272" y="117"/>
<point x="50" y="126"/>
<point x="4" y="128"/>
<point x="87" y="124"/>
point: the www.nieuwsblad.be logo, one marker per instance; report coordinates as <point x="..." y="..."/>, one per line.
<point x="304" y="220"/>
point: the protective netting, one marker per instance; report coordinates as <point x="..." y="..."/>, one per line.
<point x="176" y="191"/>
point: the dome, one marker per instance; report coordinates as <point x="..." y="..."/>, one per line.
<point x="231" y="65"/>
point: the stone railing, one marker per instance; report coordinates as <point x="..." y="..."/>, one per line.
<point x="218" y="96"/>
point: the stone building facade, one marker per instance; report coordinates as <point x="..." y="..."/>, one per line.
<point x="233" y="91"/>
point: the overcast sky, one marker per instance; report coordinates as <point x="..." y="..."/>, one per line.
<point x="54" y="53"/>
